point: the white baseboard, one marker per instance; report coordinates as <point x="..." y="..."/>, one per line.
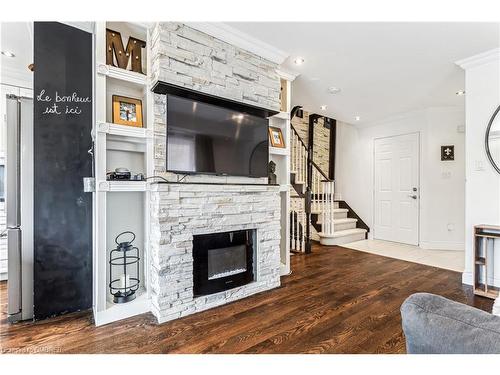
<point x="467" y="278"/>
<point x="3" y="276"/>
<point x="435" y="245"/>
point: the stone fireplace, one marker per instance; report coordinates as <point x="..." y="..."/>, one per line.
<point x="200" y="205"/>
<point x="180" y="212"/>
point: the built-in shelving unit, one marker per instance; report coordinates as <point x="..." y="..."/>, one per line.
<point x="484" y="254"/>
<point x="281" y="156"/>
<point x="120" y="205"/>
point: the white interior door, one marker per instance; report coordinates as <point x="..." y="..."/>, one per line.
<point x="397" y="188"/>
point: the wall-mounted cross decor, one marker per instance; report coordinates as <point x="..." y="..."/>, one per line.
<point x="447" y="153"/>
<point x="114" y="48"/>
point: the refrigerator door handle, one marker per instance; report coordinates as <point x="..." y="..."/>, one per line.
<point x="14" y="266"/>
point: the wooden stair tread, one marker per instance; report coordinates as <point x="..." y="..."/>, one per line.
<point x="342" y="233"/>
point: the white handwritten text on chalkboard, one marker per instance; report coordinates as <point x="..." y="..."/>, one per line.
<point x="62" y="104"/>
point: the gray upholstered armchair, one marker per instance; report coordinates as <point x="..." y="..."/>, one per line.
<point x="433" y="324"/>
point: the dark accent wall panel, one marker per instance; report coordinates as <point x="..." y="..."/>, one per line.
<point x="62" y="138"/>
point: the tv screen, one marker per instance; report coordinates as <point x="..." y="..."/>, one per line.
<point x="205" y="138"/>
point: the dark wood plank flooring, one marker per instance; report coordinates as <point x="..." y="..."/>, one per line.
<point x="337" y="300"/>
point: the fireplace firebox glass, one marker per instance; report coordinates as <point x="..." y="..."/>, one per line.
<point x="222" y="261"/>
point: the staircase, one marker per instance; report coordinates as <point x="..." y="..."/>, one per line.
<point x="313" y="204"/>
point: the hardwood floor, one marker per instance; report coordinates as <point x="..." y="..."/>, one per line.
<point x="336" y="301"/>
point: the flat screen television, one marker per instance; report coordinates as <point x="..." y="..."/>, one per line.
<point x="208" y="139"/>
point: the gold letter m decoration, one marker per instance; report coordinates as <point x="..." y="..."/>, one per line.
<point x="114" y="46"/>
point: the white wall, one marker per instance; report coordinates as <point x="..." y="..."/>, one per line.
<point x="442" y="184"/>
<point x="482" y="85"/>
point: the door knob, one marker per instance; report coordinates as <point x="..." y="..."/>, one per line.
<point x="412" y="196"/>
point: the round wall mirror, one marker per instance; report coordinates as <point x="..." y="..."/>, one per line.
<point x="493" y="140"/>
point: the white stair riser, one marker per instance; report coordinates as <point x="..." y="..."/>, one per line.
<point x="344" y="226"/>
<point x="336" y="215"/>
<point x="342" y="240"/>
<point x="340" y="226"/>
<point x="339" y="215"/>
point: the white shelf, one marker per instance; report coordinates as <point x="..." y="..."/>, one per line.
<point x="124" y="131"/>
<point x="122" y="74"/>
<point x="114" y="312"/>
<point x="278" y="151"/>
<point x="122" y="186"/>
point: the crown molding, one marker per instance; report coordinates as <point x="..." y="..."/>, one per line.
<point x="287" y="74"/>
<point x="479" y="59"/>
<point x="240" y="39"/>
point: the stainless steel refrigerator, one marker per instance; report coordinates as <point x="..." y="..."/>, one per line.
<point x="19" y="204"/>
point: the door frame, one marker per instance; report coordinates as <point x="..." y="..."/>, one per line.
<point x="419" y="179"/>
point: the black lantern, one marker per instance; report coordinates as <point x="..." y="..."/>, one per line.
<point x="125" y="260"/>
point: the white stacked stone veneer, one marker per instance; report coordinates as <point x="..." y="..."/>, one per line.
<point x="183" y="56"/>
<point x="186" y="57"/>
<point x="180" y="211"/>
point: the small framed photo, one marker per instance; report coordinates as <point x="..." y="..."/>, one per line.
<point x="127" y="111"/>
<point x="447" y="153"/>
<point x="276" y="137"/>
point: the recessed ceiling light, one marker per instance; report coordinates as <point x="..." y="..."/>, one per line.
<point x="299" y="60"/>
<point x="323" y="107"/>
<point x="334" y="90"/>
<point x="357" y="118"/>
<point x="8" y="54"/>
<point x="460" y="93"/>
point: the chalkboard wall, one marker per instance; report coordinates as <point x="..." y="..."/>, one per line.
<point x="62" y="138"/>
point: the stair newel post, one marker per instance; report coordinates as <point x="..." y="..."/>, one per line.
<point x="313" y="119"/>
<point x="308" y="220"/>
<point x="328" y="213"/>
<point x="333" y="205"/>
<point x="323" y="222"/>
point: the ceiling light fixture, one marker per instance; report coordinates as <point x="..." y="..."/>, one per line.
<point x="8" y="54"/>
<point x="357" y="118"/>
<point x="334" y="90"/>
<point x="299" y="60"/>
<point x="460" y="93"/>
<point x="323" y="107"/>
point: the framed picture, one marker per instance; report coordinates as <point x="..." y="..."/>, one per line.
<point x="276" y="137"/>
<point x="447" y="153"/>
<point x="127" y="111"/>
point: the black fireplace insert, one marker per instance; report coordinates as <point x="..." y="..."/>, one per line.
<point x="222" y="261"/>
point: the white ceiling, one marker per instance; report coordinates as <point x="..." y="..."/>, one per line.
<point x="383" y="69"/>
<point x="17" y="37"/>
